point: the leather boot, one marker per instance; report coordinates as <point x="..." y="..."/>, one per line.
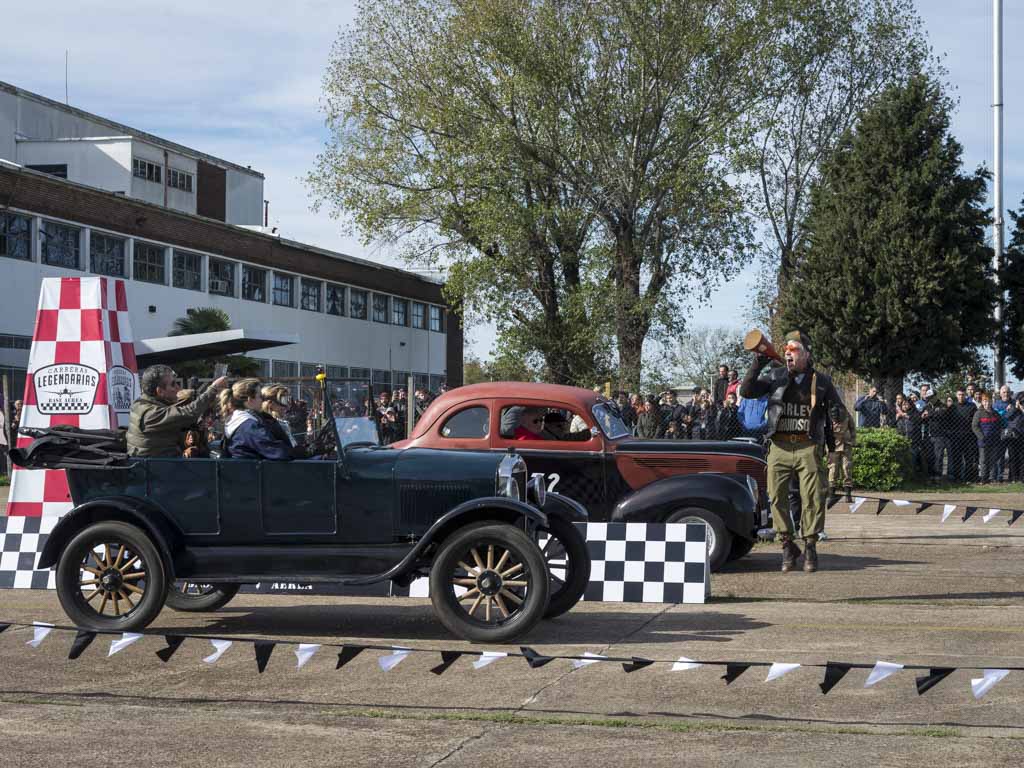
<point x="849" y="494"/>
<point x="810" y="555"/>
<point x="833" y="497"/>
<point x="790" y="554"/>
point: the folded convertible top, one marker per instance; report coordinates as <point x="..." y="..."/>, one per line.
<point x="72" y="448"/>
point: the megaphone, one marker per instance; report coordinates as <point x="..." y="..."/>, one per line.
<point x="758" y="343"/>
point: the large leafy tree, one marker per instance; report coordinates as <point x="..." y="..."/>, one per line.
<point x="572" y="163"/>
<point x="894" y="273"/>
<point x="1012" y="279"/>
<point x="209" y="320"/>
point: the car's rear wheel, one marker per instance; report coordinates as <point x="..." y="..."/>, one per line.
<point x="110" y="576"/>
<point x="193" y="597"/>
<point x="740" y="547"/>
<point x="568" y="561"/>
<point x="489" y="583"/>
<point x="719" y="537"/>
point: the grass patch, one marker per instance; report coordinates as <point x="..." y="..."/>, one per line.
<point x="5" y="480"/>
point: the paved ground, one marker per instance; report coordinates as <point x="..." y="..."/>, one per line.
<point x="899" y="587"/>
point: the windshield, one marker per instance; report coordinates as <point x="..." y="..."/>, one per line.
<point x="610" y="422"/>
<point x="356" y="429"/>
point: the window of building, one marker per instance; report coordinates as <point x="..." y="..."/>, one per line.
<point x="263" y="368"/>
<point x="16" y="236"/>
<point x="59" y="170"/>
<point x="310" y="294"/>
<point x="284" y="290"/>
<point x="380" y="308"/>
<point x="419" y="315"/>
<point x="12" y="341"/>
<point x="335" y="299"/>
<point x="61" y="245"/>
<point x="436" y="319"/>
<point x="287" y="369"/>
<point x="106" y="255"/>
<point x="143" y="169"/>
<point x="179" y="180"/>
<point x="422" y="381"/>
<point x="359" y="373"/>
<point x="467" y="423"/>
<point x="149" y="263"/>
<point x="381" y="380"/>
<point x="435" y="383"/>
<point x="222" y="277"/>
<point x="358" y="304"/>
<point x="187" y="270"/>
<point x="337" y="372"/>
<point x="399" y="311"/>
<point x="254" y="283"/>
<point x="400" y="379"/>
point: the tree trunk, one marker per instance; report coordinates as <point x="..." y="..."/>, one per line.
<point x="890" y="386"/>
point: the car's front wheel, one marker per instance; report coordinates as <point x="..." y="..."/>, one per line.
<point x="110" y="576"/>
<point x="565" y="552"/>
<point x="489" y="583"/>
<point x="718" y="536"/>
<point x="193" y="597"/>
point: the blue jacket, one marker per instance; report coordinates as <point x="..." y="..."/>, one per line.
<point x="248" y="436"/>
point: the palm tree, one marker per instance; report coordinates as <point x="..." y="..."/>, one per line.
<point x="209" y="320"/>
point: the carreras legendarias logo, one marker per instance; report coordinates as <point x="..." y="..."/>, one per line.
<point x="121" y="382"/>
<point x="65" y="388"/>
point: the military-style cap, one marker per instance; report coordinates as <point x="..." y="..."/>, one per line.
<point x="801" y="337"/>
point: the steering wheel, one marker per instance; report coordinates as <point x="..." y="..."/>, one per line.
<point x="323" y="442"/>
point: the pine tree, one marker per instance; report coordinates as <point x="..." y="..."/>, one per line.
<point x="895" y="276"/>
<point x="1013" y="284"/>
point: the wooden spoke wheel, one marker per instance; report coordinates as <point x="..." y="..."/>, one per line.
<point x="195" y="597"/>
<point x="565" y="552"/>
<point x="489" y="583"/>
<point x="111" y="576"/>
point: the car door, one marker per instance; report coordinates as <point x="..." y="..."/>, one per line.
<point x="575" y="468"/>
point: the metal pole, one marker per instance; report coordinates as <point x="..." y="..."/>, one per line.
<point x="410" y="404"/>
<point x="997" y="179"/>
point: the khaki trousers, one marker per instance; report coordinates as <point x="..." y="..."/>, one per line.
<point x="840" y="464"/>
<point x="804" y="460"/>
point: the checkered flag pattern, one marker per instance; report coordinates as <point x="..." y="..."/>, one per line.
<point x="21" y="541"/>
<point x="638" y="563"/>
<point x="82" y="338"/>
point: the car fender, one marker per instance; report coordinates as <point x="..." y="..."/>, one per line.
<point x="131" y="510"/>
<point x="557" y="505"/>
<point x="500" y="508"/>
<point x="726" y="496"/>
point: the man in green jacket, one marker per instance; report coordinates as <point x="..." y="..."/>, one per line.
<point x="157" y="422"/>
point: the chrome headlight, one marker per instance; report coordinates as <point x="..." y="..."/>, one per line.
<point x="754" y="490"/>
<point x="510" y="477"/>
<point x="536" y="490"/>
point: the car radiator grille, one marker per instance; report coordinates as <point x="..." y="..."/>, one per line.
<point x="679" y="464"/>
<point x="423" y="503"/>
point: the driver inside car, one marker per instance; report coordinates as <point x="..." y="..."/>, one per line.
<point x="248" y="432"/>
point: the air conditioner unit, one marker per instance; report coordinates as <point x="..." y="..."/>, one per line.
<point x="219" y="286"/>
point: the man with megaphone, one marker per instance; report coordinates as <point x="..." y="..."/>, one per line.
<point x="800" y="400"/>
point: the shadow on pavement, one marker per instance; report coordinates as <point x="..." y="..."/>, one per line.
<point x="417" y="622"/>
<point x="762" y="562"/>
<point x="943" y="596"/>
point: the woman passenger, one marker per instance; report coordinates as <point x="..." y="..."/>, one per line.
<point x="248" y="433"/>
<point x="276" y="399"/>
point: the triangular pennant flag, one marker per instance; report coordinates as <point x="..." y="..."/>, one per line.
<point x="778" y="669"/>
<point x="832" y="501"/>
<point x="901" y="502"/>
<point x="880" y="671"/>
<point x="924" y="505"/>
<point x="635" y="664"/>
<point x="968" y="511"/>
<point x="347" y="653"/>
<point x="947" y="510"/>
<point x="173" y="644"/>
<point x="304" y="653"/>
<point x="935" y="676"/>
<point x="82" y="641"/>
<point x="392" y="660"/>
<point x="683" y="664"/>
<point x="127" y="639"/>
<point x="3" y="627"/>
<point x="39" y="633"/>
<point x="591" y="658"/>
<point x="992" y="512"/>
<point x="732" y="671"/>
<point x="834" y="672"/>
<point x="989" y="677"/>
<point x="534" y="659"/>
<point x="219" y="648"/>
<point x="447" y="659"/>
<point x="263" y="649"/>
<point x="488" y="657"/>
<point x="1015" y="516"/>
<point x="881" y="506"/>
<point x="857" y="504"/>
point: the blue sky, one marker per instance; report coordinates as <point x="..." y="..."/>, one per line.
<point x="241" y="80"/>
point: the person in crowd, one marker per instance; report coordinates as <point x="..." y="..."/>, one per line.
<point x="972" y="394"/>
<point x="1013" y="437"/>
<point x="941" y="417"/>
<point x="156" y="421"/>
<point x="1002" y="405"/>
<point x="840" y="457"/>
<point x="800" y="402"/>
<point x="249" y="433"/>
<point x="987" y="426"/>
<point x="626" y="411"/>
<point x="648" y="421"/>
<point x="728" y="419"/>
<point x="871" y="409"/>
<point x="401" y="405"/>
<point x="721" y="384"/>
<point x="734" y="385"/>
<point x="672" y="417"/>
<point x="195" y="442"/>
<point x="703" y="427"/>
<point x="908" y="424"/>
<point x="388" y="418"/>
<point x="964" y="439"/>
<point x="5" y="443"/>
<point x="276" y="400"/>
<point x="531" y="425"/>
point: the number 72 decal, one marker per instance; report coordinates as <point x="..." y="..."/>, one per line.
<point x="553" y="479"/>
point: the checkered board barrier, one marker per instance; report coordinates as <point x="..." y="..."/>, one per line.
<point x="630" y="562"/>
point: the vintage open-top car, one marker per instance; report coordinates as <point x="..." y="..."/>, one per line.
<point x="358" y="514"/>
<point x="593" y="458"/>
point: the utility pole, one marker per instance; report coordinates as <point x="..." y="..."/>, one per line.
<point x="997" y="181"/>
